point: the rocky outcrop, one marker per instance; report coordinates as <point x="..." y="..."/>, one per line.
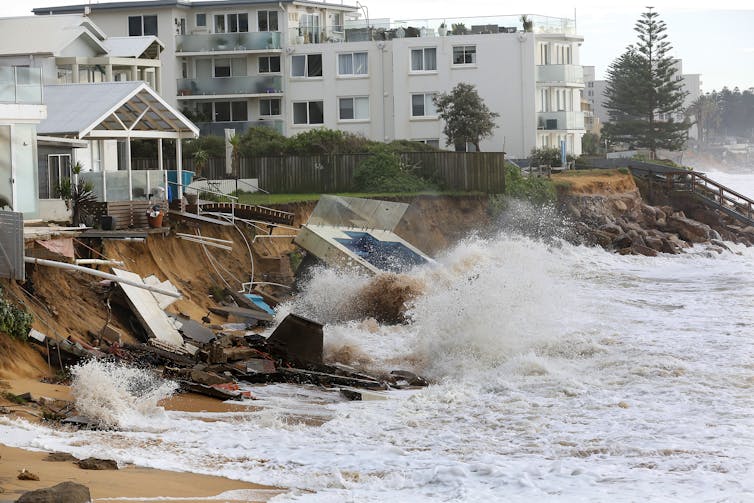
<point x="65" y="492"/>
<point x="623" y="222"/>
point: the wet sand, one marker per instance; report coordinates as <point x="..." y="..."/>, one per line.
<point x="134" y="483"/>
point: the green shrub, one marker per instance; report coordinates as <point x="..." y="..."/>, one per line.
<point x="546" y="156"/>
<point x="535" y="189"/>
<point x="384" y="171"/>
<point x="13" y="321"/>
<point x="262" y="142"/>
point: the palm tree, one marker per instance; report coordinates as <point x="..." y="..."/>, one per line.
<point x="707" y="115"/>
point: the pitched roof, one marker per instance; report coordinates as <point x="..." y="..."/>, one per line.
<point x="147" y="4"/>
<point x="46" y="34"/>
<point x="134" y="47"/>
<point x="113" y="108"/>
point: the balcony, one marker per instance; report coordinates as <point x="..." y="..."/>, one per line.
<point x="218" y="128"/>
<point x="560" y="120"/>
<point x="560" y="74"/>
<point x="227" y="42"/>
<point x="20" y="84"/>
<point x="228" y="86"/>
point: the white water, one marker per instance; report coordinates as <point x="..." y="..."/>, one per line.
<point x="562" y="374"/>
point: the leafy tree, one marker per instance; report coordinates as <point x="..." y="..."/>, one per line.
<point x="76" y="194"/>
<point x="385" y="171"/>
<point x="643" y="95"/>
<point x="262" y="142"/>
<point x="467" y="118"/>
<point x="545" y="156"/>
<point x="590" y="143"/>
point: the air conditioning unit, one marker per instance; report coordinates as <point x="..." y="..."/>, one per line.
<point x="551" y="124"/>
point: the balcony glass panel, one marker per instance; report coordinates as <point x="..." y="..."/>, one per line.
<point x="561" y="120"/>
<point x="230" y="85"/>
<point x="20" y="85"/>
<point x="560" y="73"/>
<point x="211" y="42"/>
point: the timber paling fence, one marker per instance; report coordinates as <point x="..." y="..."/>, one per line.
<point x="332" y="173"/>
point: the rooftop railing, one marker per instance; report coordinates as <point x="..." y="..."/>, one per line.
<point x="20" y="84"/>
<point x="383" y="29"/>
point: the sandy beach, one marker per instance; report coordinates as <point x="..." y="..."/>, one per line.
<point x="130" y="482"/>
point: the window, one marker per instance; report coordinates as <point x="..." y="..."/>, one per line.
<point x="308" y="112"/>
<point x="422" y="105"/>
<point x="229" y="67"/>
<point x="356" y="108"/>
<point x="267" y="20"/>
<point x="353" y="63"/>
<point x="231" y="23"/>
<point x="306" y="65"/>
<point x="424" y="60"/>
<point x="201" y="20"/>
<point x="230" y="111"/>
<point x="58" y="169"/>
<point x="269" y="64"/>
<point x="269" y="107"/>
<point x="142" y="25"/>
<point x="464" y="54"/>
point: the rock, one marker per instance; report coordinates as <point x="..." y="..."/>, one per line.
<point x="721" y="244"/>
<point x="620" y="206"/>
<point x="689" y="230"/>
<point x="601" y="238"/>
<point x="208" y="378"/>
<point x="654" y="242"/>
<point x="622" y="405"/>
<point x="65" y="492"/>
<point x="612" y="229"/>
<point x="638" y="249"/>
<point x="669" y="246"/>
<point x="97" y="464"/>
<point x="622" y="241"/>
<point x="636" y="236"/>
<point x="714" y="235"/>
<point x="59" y="456"/>
<point x="27" y="475"/>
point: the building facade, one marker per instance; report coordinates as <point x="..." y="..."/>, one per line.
<point x="297" y="65"/>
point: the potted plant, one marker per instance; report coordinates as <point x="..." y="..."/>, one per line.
<point x="76" y="194"/>
<point x="527" y="23"/>
<point x="459" y="29"/>
<point x="443" y="29"/>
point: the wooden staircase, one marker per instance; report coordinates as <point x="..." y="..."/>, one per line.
<point x="709" y="192"/>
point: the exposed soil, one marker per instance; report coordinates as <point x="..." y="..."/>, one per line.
<point x="72" y="304"/>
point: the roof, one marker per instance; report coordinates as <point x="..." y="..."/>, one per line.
<point x="148" y="4"/>
<point x="133" y="47"/>
<point x="46" y="34"/>
<point x="112" y="110"/>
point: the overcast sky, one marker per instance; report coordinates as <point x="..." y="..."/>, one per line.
<point x="715" y="39"/>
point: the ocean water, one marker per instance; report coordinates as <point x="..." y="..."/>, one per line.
<point x="559" y="373"/>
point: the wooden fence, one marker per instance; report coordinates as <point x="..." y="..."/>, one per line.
<point x="454" y="171"/>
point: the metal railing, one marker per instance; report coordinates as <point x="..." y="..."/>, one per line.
<point x="230" y="85"/>
<point x="191" y="192"/>
<point x="706" y="190"/>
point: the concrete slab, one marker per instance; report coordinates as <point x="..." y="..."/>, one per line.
<point x="147" y="309"/>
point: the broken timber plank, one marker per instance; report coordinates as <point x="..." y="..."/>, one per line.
<point x="328" y="379"/>
<point x="242" y="313"/>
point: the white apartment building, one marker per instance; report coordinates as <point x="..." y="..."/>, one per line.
<point x="297" y="65"/>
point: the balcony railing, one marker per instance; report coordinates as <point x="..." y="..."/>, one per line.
<point x="560" y="120"/>
<point x="218" y="128"/>
<point x="19" y="84"/>
<point x="572" y="74"/>
<point x="230" y="85"/>
<point x="214" y="42"/>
